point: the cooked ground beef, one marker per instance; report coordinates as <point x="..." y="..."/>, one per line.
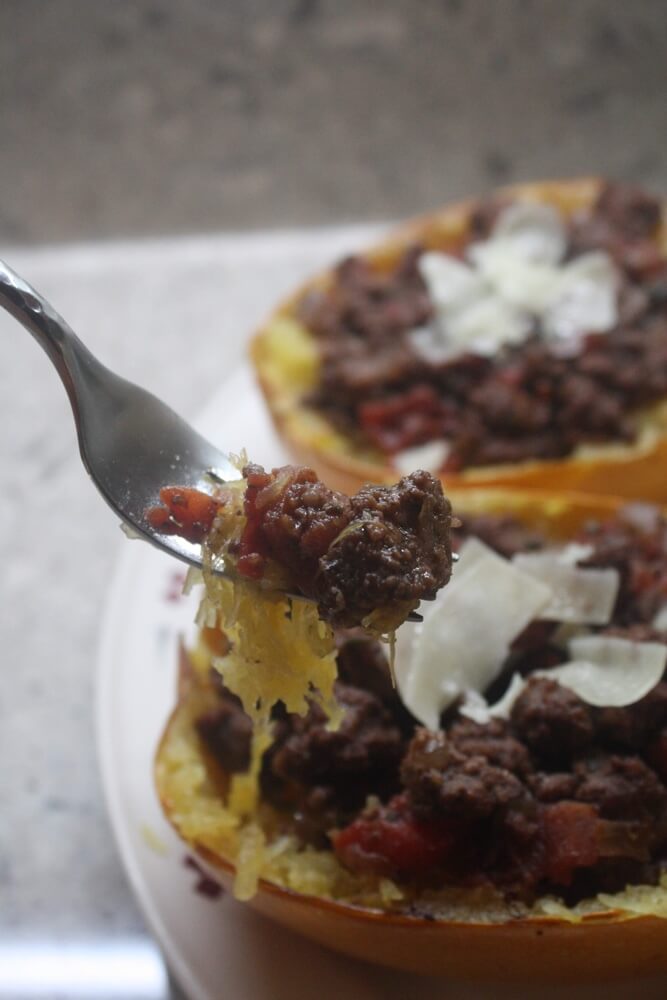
<point x="552" y="721"/>
<point x="387" y="547"/>
<point x="442" y="780"/>
<point x="494" y="741"/>
<point x="622" y="787"/>
<point x="561" y="798"/>
<point x="381" y="551"/>
<point x="526" y="403"/>
<point x="227" y="732"/>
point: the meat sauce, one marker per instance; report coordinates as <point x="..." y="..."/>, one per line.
<point x="563" y="797"/>
<point x="383" y="550"/>
<point x="525" y="403"/>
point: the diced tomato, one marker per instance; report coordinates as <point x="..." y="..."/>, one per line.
<point x="186" y="512"/>
<point x="264" y="491"/>
<point x="570" y="832"/>
<point x="405" y="419"/>
<point x="252" y="551"/>
<point x="392" y="842"/>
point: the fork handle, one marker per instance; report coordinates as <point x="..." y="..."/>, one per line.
<point x="69" y="355"/>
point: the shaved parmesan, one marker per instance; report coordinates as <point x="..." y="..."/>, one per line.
<point x="583" y="596"/>
<point x="430" y="456"/>
<point x="522" y="283"/>
<point x="466" y="632"/>
<point x="476" y="707"/>
<point x="513" y="280"/>
<point x="533" y="231"/>
<point x="585" y="298"/>
<point x="608" y="671"/>
<point x="575" y="552"/>
<point x="486" y="325"/>
<point x="451" y="283"/>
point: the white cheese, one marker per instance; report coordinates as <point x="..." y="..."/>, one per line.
<point x="486" y="325"/>
<point x="466" y="632"/>
<point x="574" y="552"/>
<point x="584" y="299"/>
<point x="451" y="283"/>
<point x="528" y="286"/>
<point x="610" y="671"/>
<point x="476" y="707"/>
<point x="581" y="596"/>
<point x="533" y="231"/>
<point x="512" y="281"/>
<point x="430" y="457"/>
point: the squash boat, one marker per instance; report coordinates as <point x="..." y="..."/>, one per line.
<point x="502" y="814"/>
<point x="519" y="340"/>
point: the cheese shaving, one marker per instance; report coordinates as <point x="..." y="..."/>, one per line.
<point x="608" y="671"/>
<point x="581" y="596"/>
<point x="476" y="707"/>
<point x="430" y="456"/>
<point x="511" y="281"/>
<point x="466" y="632"/>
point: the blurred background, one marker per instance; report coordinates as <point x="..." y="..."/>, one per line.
<point x="147" y="117"/>
<point x="216" y="125"/>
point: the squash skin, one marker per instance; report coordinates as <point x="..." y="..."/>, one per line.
<point x="632" y="471"/>
<point x="602" y="946"/>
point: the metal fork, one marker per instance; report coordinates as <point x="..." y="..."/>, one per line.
<point x="131" y="443"/>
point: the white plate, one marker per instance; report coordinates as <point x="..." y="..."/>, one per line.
<point x="217" y="948"/>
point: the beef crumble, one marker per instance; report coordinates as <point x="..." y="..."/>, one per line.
<point x="368" y="558"/>
<point x="525" y="403"/>
<point x="562" y="797"/>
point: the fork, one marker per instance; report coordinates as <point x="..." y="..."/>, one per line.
<point x="131" y="443"/>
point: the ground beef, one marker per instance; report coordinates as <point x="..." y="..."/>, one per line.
<point x="443" y="781"/>
<point x="494" y="741"/>
<point x="386" y="548"/>
<point x="329" y="773"/>
<point x="622" y="787"/>
<point x="633" y="727"/>
<point x="552" y="786"/>
<point x="363" y="663"/>
<point x="526" y="403"/>
<point x="226" y="730"/>
<point x="369" y="304"/>
<point x="397" y="549"/>
<point x="552" y="721"/>
<point x="637" y="552"/>
<point x="623" y="222"/>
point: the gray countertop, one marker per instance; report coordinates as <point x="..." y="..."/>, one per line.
<point x="175" y="316"/>
<point x="158" y="116"/>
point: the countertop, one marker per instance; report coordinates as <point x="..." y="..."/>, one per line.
<point x="163" y="117"/>
<point x="175" y="316"/>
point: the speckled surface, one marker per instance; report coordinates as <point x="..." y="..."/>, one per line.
<point x="172" y="315"/>
<point x="154" y="117"/>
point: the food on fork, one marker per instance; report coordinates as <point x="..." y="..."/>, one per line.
<point x="519" y="339"/>
<point x="365" y="560"/>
